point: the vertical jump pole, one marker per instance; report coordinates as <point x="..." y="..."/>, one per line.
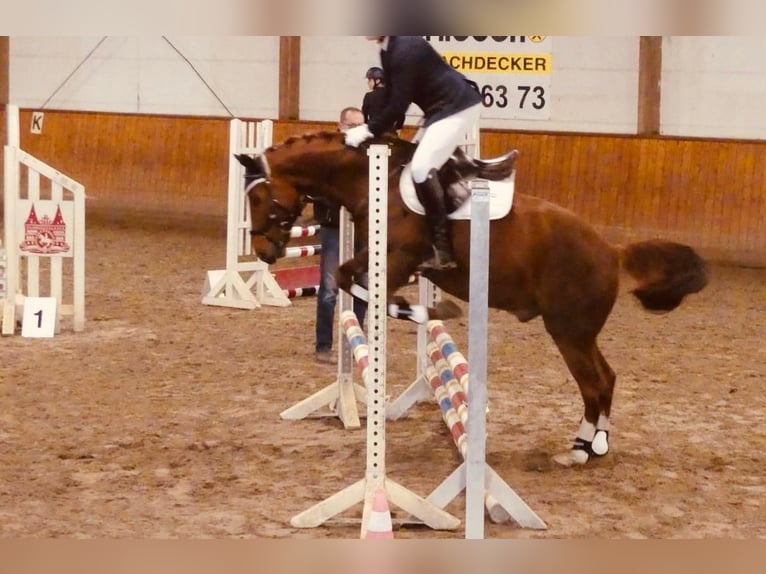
<point x="474" y="475"/>
<point x="376" y="327"/>
<point x="476" y="429"/>
<point x="347" y="391"/>
<point x="11" y="186"/>
<point x="375" y="476"/>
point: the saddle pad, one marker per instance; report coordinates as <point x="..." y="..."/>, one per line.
<point x="500" y="197"/>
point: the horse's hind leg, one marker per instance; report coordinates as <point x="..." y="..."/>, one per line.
<point x="595" y="378"/>
<point x="605" y="398"/>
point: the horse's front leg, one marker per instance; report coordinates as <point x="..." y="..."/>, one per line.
<point x="352" y="276"/>
<point x="352" y="271"/>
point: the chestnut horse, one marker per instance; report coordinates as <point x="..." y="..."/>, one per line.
<point x="544" y="260"/>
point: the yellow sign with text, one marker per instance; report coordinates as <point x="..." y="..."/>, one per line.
<point x="488" y="63"/>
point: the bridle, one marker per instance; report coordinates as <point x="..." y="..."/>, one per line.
<point x="279" y="216"/>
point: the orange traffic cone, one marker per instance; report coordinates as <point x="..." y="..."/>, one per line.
<point x="379" y="523"/>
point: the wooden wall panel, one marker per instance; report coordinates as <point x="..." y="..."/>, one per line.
<point x="137" y="162"/>
<point x="289" y="77"/>
<point x="710" y="194"/>
<point x="649" y="84"/>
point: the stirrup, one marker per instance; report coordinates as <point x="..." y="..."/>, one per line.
<point x="437" y="263"/>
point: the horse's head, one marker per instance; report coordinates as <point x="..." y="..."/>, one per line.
<point x="274" y="207"/>
<point x="280" y="181"/>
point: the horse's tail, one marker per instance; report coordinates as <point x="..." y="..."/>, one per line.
<point x="666" y="272"/>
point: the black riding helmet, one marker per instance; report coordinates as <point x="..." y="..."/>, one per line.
<point x="375" y="73"/>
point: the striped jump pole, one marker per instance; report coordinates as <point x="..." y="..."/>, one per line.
<point x="304" y="231"/>
<point x="292" y="285"/>
<point x="302" y="251"/>
<point x="300" y="281"/>
<point x="357" y="341"/>
<point x="451" y="396"/>
<point x="437" y="333"/>
<point x="447" y="406"/>
<point x="295" y="292"/>
<point x="455" y="391"/>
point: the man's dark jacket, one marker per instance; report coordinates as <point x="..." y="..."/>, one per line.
<point x="374" y="102"/>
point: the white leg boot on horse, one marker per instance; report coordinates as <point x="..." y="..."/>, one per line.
<point x="592" y="441"/>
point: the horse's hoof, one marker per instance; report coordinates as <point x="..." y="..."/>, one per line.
<point x="574" y="457"/>
<point x="445" y="310"/>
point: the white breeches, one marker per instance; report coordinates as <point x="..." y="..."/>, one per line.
<point x="437" y="142"/>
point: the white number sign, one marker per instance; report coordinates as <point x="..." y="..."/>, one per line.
<point x="39" y="319"/>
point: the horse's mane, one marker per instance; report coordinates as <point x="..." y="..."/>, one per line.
<point x="398" y="146"/>
<point x="308" y="138"/>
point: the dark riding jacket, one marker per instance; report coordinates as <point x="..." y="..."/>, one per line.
<point x="373" y="103"/>
<point x="414" y="72"/>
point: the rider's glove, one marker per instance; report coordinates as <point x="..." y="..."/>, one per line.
<point x="358" y="134"/>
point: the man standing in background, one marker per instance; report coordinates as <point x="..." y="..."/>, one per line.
<point x="328" y="216"/>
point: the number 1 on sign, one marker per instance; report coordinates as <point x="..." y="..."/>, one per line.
<point x="39" y="318"/>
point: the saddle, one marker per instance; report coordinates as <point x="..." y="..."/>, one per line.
<point x="455" y="177"/>
<point x="466" y="167"/>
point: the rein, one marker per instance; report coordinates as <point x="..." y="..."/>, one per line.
<point x="279" y="216"/>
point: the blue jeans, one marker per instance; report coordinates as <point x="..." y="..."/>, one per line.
<point x="328" y="290"/>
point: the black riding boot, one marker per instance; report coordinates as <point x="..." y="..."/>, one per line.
<point x="431" y="195"/>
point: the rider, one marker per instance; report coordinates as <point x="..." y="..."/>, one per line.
<point x="416" y="73"/>
<point x="375" y="100"/>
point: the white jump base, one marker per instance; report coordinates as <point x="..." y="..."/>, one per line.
<point x="246" y="283"/>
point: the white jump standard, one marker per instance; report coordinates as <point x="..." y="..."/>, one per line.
<point x="44" y="228"/>
<point x="338" y="399"/>
<point x="375" y="473"/>
<point x="233" y="287"/>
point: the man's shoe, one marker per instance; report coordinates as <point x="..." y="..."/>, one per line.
<point x="326" y="357"/>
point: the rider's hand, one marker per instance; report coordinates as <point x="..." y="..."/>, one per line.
<point x="358" y="134"/>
